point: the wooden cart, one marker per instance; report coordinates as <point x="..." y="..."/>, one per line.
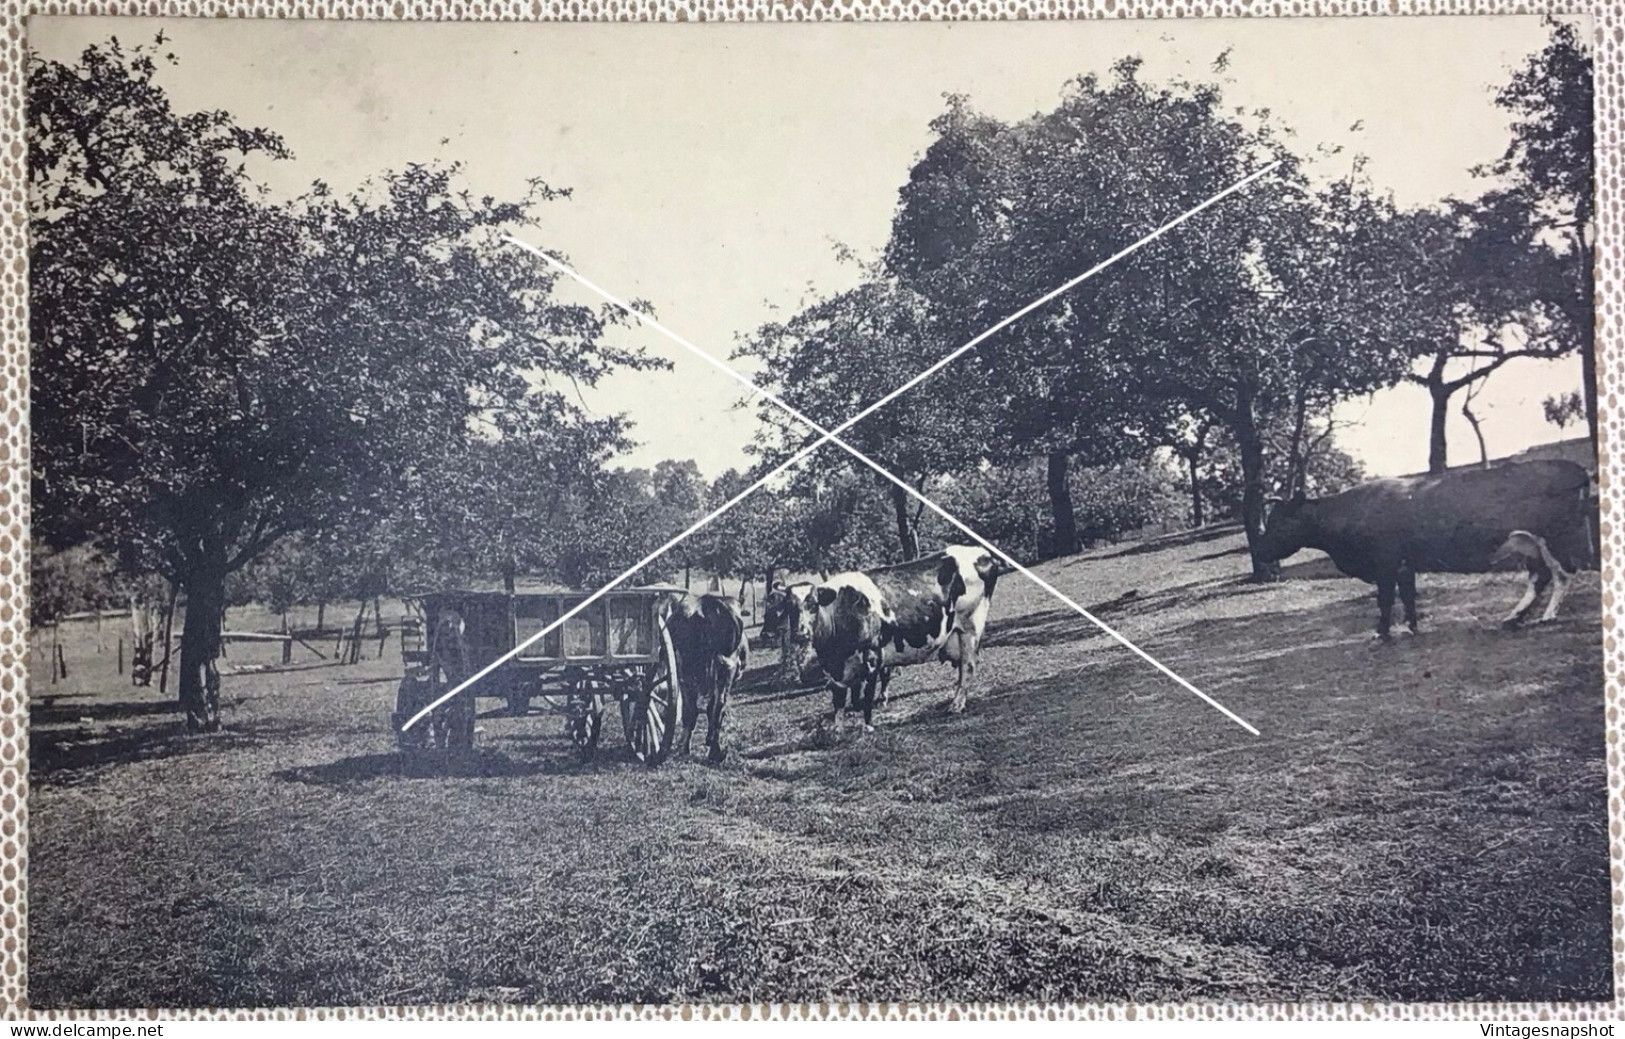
<point x="617" y="649"/>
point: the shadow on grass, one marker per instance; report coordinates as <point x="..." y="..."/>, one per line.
<point x="1190" y="537"/>
<point x="59" y="755"/>
<point x="428" y="764"/>
<point x="46" y="712"/>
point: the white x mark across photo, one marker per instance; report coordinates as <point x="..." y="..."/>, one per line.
<point x="832" y="436"/>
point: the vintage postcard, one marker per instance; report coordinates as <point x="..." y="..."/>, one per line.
<point x="1079" y="512"/>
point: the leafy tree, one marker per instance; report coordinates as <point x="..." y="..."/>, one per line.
<point x="1323" y="467"/>
<point x="840" y="353"/>
<point x="1563" y="409"/>
<point x="1480" y="285"/>
<point x="213" y="371"/>
<point x="1277" y="299"/>
<point x="995" y="215"/>
<point x="837" y="521"/>
<point x="1550" y="166"/>
<point x="1006" y="504"/>
<point x="81" y="578"/>
<point x="756" y="538"/>
<point x="502" y="506"/>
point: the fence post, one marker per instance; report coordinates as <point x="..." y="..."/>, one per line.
<point x="121" y="654"/>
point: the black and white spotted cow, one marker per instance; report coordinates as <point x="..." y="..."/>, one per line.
<point x="864" y="624"/>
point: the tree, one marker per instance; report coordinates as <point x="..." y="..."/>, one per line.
<point x="1279" y="299"/>
<point x="1550" y="166"/>
<point x="1564" y="408"/>
<point x="1325" y="468"/>
<point x="214" y="371"/>
<point x="1480" y="283"/>
<point x="501" y="506"/>
<point x="754" y="539"/>
<point x="838" y="354"/>
<point x="995" y="215"/>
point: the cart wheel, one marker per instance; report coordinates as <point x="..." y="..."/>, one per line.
<point x="649" y="712"/>
<point x="410" y="696"/>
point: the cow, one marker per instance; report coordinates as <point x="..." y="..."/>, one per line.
<point x="708" y="636"/>
<point x="786" y="618"/>
<point x="864" y="624"/>
<point x="1385" y="532"/>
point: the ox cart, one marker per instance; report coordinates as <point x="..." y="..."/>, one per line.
<point x="618" y="649"/>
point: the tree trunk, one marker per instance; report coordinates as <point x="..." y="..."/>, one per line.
<point x="1295" y="462"/>
<point x="1060" y="500"/>
<point x="1588" y="325"/>
<point x="1196" y="490"/>
<point x="908" y="532"/>
<point x="1472" y="420"/>
<point x="1251" y="446"/>
<point x="321" y="611"/>
<point x="1437" y="460"/>
<point x="199" y="685"/>
<point x="169" y="638"/>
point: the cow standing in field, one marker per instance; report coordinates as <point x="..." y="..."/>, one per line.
<point x="1385" y="532"/>
<point x="708" y="635"/>
<point x="785" y="617"/>
<point x="933" y="608"/>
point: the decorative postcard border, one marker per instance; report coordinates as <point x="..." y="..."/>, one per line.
<point x="14" y="484"/>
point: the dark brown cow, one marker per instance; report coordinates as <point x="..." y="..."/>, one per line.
<point x="1385" y="532"/>
<point x="708" y="634"/>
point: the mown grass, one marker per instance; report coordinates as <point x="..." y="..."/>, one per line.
<point x="1419" y="821"/>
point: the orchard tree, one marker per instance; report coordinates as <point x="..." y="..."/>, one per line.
<point x="1564" y="408"/>
<point x="838" y="355"/>
<point x="1550" y="165"/>
<point x="1480" y="283"/>
<point x="1277" y="299"/>
<point x="213" y="371"/>
<point x="993" y="216"/>
<point x="503" y="504"/>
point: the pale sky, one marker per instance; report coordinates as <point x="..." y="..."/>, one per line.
<point x="714" y="167"/>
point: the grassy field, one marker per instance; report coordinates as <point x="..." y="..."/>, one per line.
<point x="1418" y="821"/>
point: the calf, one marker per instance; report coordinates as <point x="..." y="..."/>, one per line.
<point x="708" y="635"/>
<point x="1387" y="531"/>
<point x="932" y="608"/>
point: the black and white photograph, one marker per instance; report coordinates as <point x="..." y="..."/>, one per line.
<point x="1075" y="512"/>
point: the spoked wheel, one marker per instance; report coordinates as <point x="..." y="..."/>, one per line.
<point x="649" y="712"/>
